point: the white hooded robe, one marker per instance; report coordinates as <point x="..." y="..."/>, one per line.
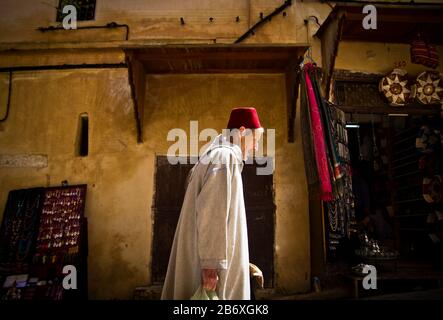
<point x="211" y="231"/>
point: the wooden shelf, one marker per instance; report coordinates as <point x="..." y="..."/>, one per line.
<point x="410" y="208"/>
<point x="410" y="200"/>
<point x="409" y="138"/>
<point x="405" y="131"/>
<point x="410" y="110"/>
<point x="405" y="164"/>
<point x="406" y="174"/>
<point x="406" y="157"/>
<point x="414" y="229"/>
<point x="410" y="186"/>
<point x="405" y="150"/>
<point x="410" y="215"/>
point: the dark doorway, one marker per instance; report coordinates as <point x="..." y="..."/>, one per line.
<point x="260" y="211"/>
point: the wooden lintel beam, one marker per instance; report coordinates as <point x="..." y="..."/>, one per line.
<point x="217" y="71"/>
<point x="136" y="76"/>
<point x="251" y="55"/>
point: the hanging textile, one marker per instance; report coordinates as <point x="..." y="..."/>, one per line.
<point x="318" y="137"/>
<point x="325" y="112"/>
<point x="306" y="134"/>
<point x="325" y="140"/>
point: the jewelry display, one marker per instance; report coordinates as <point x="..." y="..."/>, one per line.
<point x="43" y="229"/>
<point x="60" y="226"/>
<point x="340" y="211"/>
<point x="20" y="225"/>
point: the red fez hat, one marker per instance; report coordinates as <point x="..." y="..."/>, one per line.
<point x="244" y="116"/>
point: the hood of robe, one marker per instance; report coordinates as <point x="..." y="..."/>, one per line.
<point x="222" y="141"/>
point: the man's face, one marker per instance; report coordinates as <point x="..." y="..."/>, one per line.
<point x="250" y="144"/>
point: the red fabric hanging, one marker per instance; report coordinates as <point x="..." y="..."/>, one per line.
<point x="318" y="139"/>
<point x="424" y="53"/>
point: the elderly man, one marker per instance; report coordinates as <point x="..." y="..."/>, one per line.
<point x="210" y="247"/>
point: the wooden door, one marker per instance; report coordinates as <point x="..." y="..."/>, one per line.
<point x="259" y="202"/>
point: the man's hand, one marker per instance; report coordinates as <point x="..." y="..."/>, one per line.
<point x="209" y="279"/>
<point x="256" y="274"/>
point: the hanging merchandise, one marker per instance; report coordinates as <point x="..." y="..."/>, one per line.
<point x="428" y="88"/>
<point x="327" y="126"/>
<point x="432" y="189"/>
<point x="330" y="127"/>
<point x="340" y="211"/>
<point x="429" y="139"/>
<point x="395" y="87"/>
<point x="377" y="163"/>
<point x="360" y="153"/>
<point x="318" y="135"/>
<point x="333" y="216"/>
<point x="424" y="53"/>
<point x="20" y="224"/>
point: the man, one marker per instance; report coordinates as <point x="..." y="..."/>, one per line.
<point x="210" y="247"/>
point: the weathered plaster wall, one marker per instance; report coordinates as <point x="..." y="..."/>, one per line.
<point x="45" y="107"/>
<point x="378" y="57"/>
<point x="43" y="119"/>
<point x="160" y="20"/>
